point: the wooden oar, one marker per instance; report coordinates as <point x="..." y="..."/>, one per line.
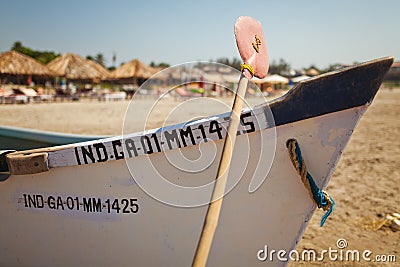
<point x="253" y="51"/>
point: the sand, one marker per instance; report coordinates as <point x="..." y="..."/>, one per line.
<point x="107" y="118"/>
<point x="365" y="185"/>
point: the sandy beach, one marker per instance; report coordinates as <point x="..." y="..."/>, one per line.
<point x="365" y="187"/>
<point x="365" y="184"/>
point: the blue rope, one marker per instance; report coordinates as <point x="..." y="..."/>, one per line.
<point x="319" y="197"/>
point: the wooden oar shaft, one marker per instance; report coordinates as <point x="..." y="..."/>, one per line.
<point x="214" y="208"/>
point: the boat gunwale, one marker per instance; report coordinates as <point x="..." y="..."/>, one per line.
<point x="295" y="105"/>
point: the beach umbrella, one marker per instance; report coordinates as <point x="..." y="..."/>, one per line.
<point x="312" y="72"/>
<point x="14" y="63"/>
<point x="134" y="69"/>
<point x="75" y="67"/>
<point x="300" y="78"/>
<point x="272" y="79"/>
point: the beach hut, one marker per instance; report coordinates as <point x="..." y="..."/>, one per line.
<point x="21" y="69"/>
<point x="76" y="68"/>
<point x="300" y="78"/>
<point x="393" y="74"/>
<point x="274" y="80"/>
<point x="312" y="72"/>
<point x="77" y="75"/>
<point x="134" y="72"/>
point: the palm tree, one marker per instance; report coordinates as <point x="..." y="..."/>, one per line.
<point x="100" y="59"/>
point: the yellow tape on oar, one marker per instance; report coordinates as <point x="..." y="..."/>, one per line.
<point x="247" y="67"/>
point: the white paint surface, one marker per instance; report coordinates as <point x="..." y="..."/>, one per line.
<point x="163" y="235"/>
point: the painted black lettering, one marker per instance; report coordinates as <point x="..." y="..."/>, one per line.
<point x="60" y="204"/>
<point x="185" y="134"/>
<point x="146" y="144"/>
<point x="101" y="152"/>
<point x="115" y="205"/>
<point x="203" y="132"/>
<point x="70" y="203"/>
<point x="90" y="204"/>
<point x="251" y="128"/>
<point x="130" y="146"/>
<point x="25" y="201"/>
<point x="134" y="205"/>
<point x="31" y="201"/>
<point x="77" y="156"/>
<point x="154" y="136"/>
<point x="87" y="204"/>
<point x="125" y="204"/>
<point x="77" y="203"/>
<point x="108" y="205"/>
<point x="96" y="204"/>
<point x="172" y="137"/>
<point x="216" y="128"/>
<point x="87" y="153"/>
<point x="51" y="202"/>
<point x="39" y="201"/>
<point x="117" y="154"/>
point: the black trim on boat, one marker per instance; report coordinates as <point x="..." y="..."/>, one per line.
<point x="347" y="88"/>
<point x="339" y="90"/>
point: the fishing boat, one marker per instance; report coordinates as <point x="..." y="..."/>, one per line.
<point x="112" y="201"/>
<point x="17" y="138"/>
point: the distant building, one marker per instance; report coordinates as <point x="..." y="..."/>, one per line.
<point x="395" y="67"/>
<point x="394" y="72"/>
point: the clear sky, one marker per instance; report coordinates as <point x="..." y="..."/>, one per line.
<point x="302" y="32"/>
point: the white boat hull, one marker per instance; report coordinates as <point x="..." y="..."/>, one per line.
<point x="43" y="225"/>
<point x="160" y="234"/>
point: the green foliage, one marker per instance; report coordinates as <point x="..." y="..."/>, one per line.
<point x="279" y="67"/>
<point x="234" y="63"/>
<point x="332" y="67"/>
<point x="161" y="65"/>
<point x="43" y="57"/>
<point x="100" y="59"/>
<point x="391" y="84"/>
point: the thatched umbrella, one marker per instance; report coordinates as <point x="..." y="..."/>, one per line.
<point x="74" y="67"/>
<point x="312" y="72"/>
<point x="300" y="78"/>
<point x="272" y="79"/>
<point x="134" y="71"/>
<point x="14" y="64"/>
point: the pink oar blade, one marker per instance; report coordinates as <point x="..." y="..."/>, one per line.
<point x="251" y="45"/>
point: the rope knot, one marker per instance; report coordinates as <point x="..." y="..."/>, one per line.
<point x="320" y="197"/>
